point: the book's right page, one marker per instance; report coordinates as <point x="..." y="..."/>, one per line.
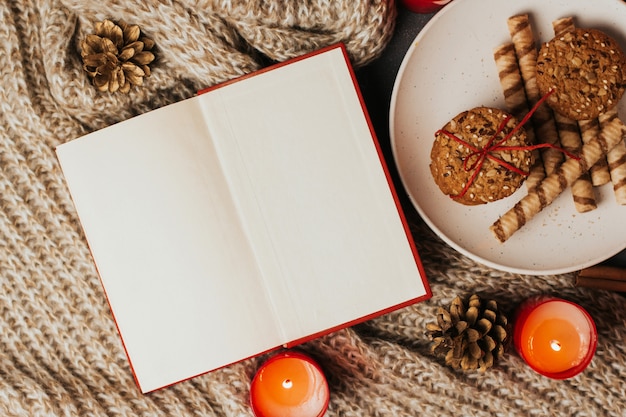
<point x="306" y="176"/>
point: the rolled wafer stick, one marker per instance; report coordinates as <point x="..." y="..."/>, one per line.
<point x="523" y="39"/>
<point x="600" y="170"/>
<point x="525" y="47"/>
<point x="525" y="52"/>
<point x="554" y="184"/>
<point x="515" y="100"/>
<point x="616" y="159"/>
<point x="582" y="189"/>
<point x="511" y="80"/>
<point x="563" y="25"/>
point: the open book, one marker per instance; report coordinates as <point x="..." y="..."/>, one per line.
<point x="255" y="215"/>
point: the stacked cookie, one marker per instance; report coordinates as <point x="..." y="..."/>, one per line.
<point x="472" y="156"/>
<point x="587" y="70"/>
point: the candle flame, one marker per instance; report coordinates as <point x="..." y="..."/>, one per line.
<point x="287" y="383"/>
<point x="555" y="345"/>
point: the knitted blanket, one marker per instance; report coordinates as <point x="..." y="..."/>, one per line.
<point x="60" y="353"/>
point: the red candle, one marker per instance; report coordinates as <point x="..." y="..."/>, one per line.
<point x="556" y="337"/>
<point x="424" y="6"/>
<point x="289" y="384"/>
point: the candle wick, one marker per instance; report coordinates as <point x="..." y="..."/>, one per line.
<point x="555" y="345"/>
<point x="287" y="383"/>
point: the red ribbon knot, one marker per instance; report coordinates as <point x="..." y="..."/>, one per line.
<point x="478" y="155"/>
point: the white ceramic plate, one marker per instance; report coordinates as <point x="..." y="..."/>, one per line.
<point x="449" y="68"/>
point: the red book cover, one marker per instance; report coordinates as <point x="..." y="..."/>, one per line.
<point x="255" y="215"/>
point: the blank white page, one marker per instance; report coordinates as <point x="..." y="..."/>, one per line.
<point x="307" y="179"/>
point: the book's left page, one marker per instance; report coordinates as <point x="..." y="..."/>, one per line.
<point x="174" y="262"/>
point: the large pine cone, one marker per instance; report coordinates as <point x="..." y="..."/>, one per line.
<point x="117" y="56"/>
<point x="469" y="338"/>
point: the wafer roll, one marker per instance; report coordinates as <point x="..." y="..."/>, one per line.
<point x="511" y="81"/>
<point x="523" y="39"/>
<point x="616" y="159"/>
<point x="569" y="135"/>
<point x="515" y="101"/>
<point x="554" y="184"/>
<point x="562" y="25"/>
<point x="582" y="189"/>
<point x="600" y="170"/>
<point x="525" y="52"/>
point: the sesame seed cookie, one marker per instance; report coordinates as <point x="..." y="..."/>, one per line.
<point x="493" y="181"/>
<point x="587" y="70"/>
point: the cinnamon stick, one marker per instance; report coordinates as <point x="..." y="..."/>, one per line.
<point x="603" y="277"/>
<point x="604" y="271"/>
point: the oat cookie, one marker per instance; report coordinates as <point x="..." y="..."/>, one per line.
<point x="493" y="181"/>
<point x="587" y="70"/>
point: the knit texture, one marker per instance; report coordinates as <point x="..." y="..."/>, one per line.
<point x="60" y="353"/>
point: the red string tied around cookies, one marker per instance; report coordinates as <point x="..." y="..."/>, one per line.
<point x="475" y="160"/>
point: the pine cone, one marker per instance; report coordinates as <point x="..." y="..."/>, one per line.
<point x="469" y="338"/>
<point x="116" y="57"/>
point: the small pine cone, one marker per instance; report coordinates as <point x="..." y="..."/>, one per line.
<point x="471" y="337"/>
<point x="117" y="56"/>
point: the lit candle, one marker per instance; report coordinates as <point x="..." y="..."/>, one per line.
<point x="424" y="6"/>
<point x="556" y="337"/>
<point x="289" y="384"/>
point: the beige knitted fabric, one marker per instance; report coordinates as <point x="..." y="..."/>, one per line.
<point x="60" y="354"/>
